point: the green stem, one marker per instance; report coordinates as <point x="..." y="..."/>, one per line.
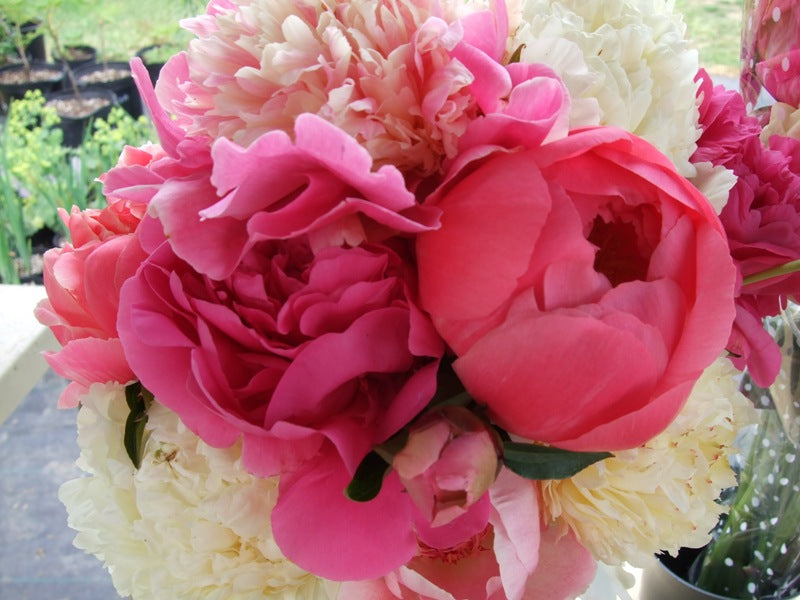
<point x="784" y="269"/>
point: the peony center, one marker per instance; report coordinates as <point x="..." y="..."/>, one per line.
<point x="619" y="255"/>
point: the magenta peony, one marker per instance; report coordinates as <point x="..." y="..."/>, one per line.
<point x="760" y="219"/>
<point x="310" y="358"/>
<point x="584" y="286"/>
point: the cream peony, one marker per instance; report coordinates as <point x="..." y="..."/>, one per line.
<point x="784" y="120"/>
<point x="662" y="495"/>
<point x="629" y="55"/>
<point x="190" y="523"/>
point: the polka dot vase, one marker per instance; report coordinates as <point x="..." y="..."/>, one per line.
<point x="770" y="52"/>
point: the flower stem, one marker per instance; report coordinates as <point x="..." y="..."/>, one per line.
<point x="784" y="269"/>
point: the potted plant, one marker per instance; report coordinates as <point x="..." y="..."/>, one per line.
<point x="19" y="29"/>
<point x="76" y="55"/>
<point x="39" y="175"/>
<point x="75" y="104"/>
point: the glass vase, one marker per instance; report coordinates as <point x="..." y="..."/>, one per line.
<point x="755" y="553"/>
<point x="770" y="57"/>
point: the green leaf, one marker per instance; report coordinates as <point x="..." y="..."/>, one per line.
<point x="138" y="400"/>
<point x="545" y="462"/>
<point x="515" y="58"/>
<point x="368" y="479"/>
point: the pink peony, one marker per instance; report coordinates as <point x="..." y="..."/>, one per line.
<point x="312" y="359"/>
<point x="320" y="185"/>
<point x="83" y="280"/>
<point x="761" y="219"/>
<point x="554" y="266"/>
<point x="513" y="558"/>
<point x="448" y="463"/>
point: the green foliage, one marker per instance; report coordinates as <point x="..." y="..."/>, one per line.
<point x="39" y="176"/>
<point x="715" y="28"/>
<point x="139" y="400"/>
<point x="125" y="26"/>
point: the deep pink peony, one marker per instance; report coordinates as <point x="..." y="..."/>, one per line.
<point x="312" y="359"/>
<point x="761" y="219"/>
<point x="513" y="558"/>
<point x="584" y="286"/>
<point x="83" y="280"/>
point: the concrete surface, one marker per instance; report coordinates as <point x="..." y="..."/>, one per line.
<point x="37" y="454"/>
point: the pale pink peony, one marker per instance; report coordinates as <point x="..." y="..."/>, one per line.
<point x="83" y="280"/>
<point x="761" y="219"/>
<point x="448" y="463"/>
<point x="404" y="79"/>
<point x="312" y="359"/>
<point x="577" y="255"/>
<point x="381" y="71"/>
<point x="513" y="558"/>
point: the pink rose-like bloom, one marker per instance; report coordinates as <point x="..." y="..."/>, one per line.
<point x="761" y="219"/>
<point x="83" y="280"/>
<point x="513" y="558"/>
<point x="584" y="286"/>
<point x="447" y="464"/>
<point x="312" y="359"/>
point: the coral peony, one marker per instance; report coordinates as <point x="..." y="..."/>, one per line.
<point x="83" y="280"/>
<point x="579" y="254"/>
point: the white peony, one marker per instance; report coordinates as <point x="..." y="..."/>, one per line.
<point x="190" y="523"/>
<point x="662" y="495"/>
<point x="629" y="56"/>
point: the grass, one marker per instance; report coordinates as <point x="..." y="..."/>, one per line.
<point x="715" y="27"/>
<point x="118" y="28"/>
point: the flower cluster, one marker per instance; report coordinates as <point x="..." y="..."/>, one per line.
<point x="412" y="299"/>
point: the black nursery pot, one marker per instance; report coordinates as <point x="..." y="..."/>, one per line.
<point x="44" y="76"/>
<point x="35" y="50"/>
<point x="77" y="56"/>
<point x="74" y="127"/>
<point x="122" y="85"/>
<point x="153" y="67"/>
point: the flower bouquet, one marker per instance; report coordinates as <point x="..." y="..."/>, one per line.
<point x="436" y="299"/>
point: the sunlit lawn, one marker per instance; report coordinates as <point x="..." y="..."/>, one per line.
<point x="715" y="27"/>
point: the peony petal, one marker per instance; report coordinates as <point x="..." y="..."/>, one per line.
<point x="565" y="568"/>
<point x="515" y="518"/>
<point x="318" y="528"/>
<point x="539" y="396"/>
